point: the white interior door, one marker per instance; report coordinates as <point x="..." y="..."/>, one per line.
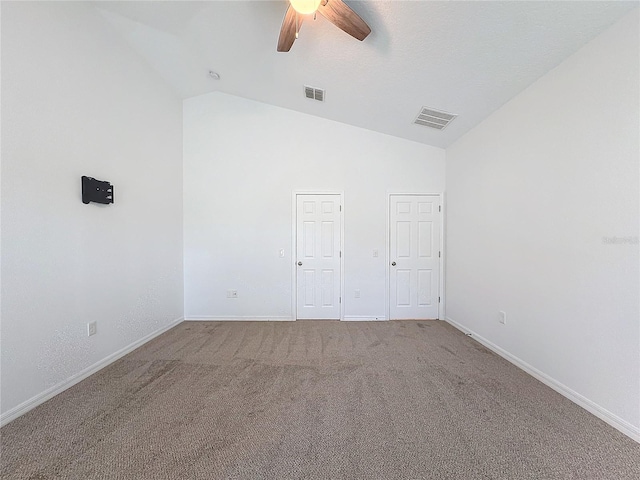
<point x="414" y="256"/>
<point x="318" y="256"/>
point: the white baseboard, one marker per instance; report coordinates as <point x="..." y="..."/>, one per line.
<point x="40" y="398"/>
<point x="363" y="318"/>
<point x="602" y="413"/>
<point x="243" y="318"/>
<point x="236" y="318"/>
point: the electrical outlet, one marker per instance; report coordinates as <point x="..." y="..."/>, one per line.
<point x="357" y="293"/>
<point x="232" y="294"/>
<point x="92" y="328"/>
<point x="502" y="317"/>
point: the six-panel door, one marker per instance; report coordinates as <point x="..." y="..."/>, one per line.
<point x="318" y="256"/>
<point x="414" y="241"/>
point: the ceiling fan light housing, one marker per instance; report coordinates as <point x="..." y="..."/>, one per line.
<point x="305" y="7"/>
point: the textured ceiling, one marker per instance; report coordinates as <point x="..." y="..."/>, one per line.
<point x="467" y="58"/>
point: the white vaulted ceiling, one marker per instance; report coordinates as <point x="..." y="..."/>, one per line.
<point x="466" y="58"/>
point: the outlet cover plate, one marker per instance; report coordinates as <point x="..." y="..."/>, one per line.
<point x="92" y="328"/>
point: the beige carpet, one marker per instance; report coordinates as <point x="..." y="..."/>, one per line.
<point x="313" y="400"/>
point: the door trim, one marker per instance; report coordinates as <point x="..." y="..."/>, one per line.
<point x="294" y="246"/>
<point x="387" y="286"/>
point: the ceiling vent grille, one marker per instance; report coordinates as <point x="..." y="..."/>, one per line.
<point x="429" y="117"/>
<point x="314" y="93"/>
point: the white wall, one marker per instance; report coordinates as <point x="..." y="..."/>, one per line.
<point x="533" y="193"/>
<point x="76" y="101"/>
<point x="243" y="160"/>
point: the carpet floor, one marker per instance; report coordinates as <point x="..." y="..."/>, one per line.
<point x="313" y="400"/>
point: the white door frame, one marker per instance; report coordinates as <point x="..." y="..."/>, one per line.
<point x="387" y="303"/>
<point x="294" y="269"/>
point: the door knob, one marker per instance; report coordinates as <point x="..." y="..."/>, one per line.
<point x="393" y="264"/>
<point x="299" y="264"/>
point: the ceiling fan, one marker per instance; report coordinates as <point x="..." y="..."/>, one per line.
<point x="336" y="11"/>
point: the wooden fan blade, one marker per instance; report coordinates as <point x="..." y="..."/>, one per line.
<point x="339" y="13"/>
<point x="288" y="30"/>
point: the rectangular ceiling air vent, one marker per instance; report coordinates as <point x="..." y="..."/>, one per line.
<point x="314" y="93"/>
<point x="429" y="117"/>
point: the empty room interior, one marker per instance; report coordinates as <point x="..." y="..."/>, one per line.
<point x="320" y="239"/>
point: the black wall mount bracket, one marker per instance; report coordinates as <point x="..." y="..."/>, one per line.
<point x="96" y="191"/>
